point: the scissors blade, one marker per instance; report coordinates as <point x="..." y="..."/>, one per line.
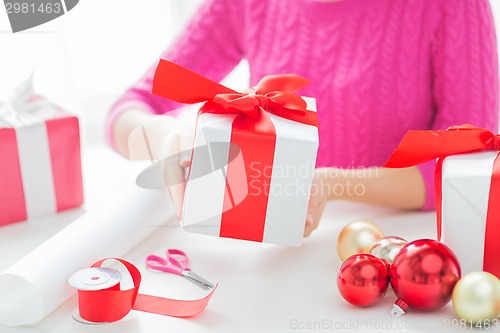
<point x="198" y="280"/>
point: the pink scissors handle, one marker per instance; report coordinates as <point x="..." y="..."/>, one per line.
<point x="178" y="258"/>
<point x="176" y="262"/>
<point x="158" y="263"/>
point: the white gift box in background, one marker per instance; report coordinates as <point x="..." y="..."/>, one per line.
<point x="292" y="170"/>
<point x="466" y="182"/>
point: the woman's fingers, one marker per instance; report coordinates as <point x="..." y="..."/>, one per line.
<point x="185" y="141"/>
<point x="179" y="148"/>
<point x="316" y="205"/>
<point x="173" y="172"/>
<point x="313" y="217"/>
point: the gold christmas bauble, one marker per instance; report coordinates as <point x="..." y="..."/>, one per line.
<point x="476" y="297"/>
<point x="357" y="237"/>
<point x="387" y="248"/>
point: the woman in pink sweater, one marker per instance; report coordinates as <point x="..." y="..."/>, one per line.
<point x="379" y="68"/>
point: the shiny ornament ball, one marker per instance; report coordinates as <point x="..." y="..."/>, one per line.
<point x="476" y="297"/>
<point x="363" y="279"/>
<point x="424" y="273"/>
<point x="388" y="247"/>
<point x="357" y="237"/>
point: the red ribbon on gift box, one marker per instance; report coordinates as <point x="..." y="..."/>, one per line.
<point x="419" y="146"/>
<point x="273" y="94"/>
<point x="61" y="136"/>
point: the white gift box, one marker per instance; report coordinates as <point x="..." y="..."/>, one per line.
<point x="212" y="194"/>
<point x="466" y="180"/>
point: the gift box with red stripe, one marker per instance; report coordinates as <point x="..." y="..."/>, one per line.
<point x="254" y="156"/>
<point x="40" y="167"/>
<point x="467" y="186"/>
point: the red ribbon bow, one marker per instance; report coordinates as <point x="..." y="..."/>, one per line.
<point x="419" y="146"/>
<point x="274" y="93"/>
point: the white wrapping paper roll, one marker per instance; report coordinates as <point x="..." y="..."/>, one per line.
<point x="37" y="284"/>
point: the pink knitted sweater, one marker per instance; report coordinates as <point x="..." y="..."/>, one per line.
<point x="378" y="67"/>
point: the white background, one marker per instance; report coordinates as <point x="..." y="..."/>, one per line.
<point x="86" y="58"/>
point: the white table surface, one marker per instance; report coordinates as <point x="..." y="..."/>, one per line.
<point x="262" y="287"/>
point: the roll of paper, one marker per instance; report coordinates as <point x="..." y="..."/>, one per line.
<point x="37" y="284"/>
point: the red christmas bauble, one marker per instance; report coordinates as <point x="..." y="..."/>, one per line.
<point x="363" y="279"/>
<point x="423" y="275"/>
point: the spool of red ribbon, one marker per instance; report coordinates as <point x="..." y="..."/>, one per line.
<point x="103" y="301"/>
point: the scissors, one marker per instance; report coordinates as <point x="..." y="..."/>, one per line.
<point x="177" y="262"/>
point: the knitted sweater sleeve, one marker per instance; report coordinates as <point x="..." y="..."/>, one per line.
<point x="465" y="72"/>
<point x="210" y="45"/>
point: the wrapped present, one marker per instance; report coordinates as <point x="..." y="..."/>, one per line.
<point x="467" y="185"/>
<point x="40" y="167"/>
<point x="254" y="156"/>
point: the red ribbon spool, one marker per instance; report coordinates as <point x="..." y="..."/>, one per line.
<point x="112" y="304"/>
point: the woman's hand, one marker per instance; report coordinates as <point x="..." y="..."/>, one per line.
<point x="317" y="201"/>
<point x="176" y="145"/>
<point x="139" y="135"/>
<point x="397" y="188"/>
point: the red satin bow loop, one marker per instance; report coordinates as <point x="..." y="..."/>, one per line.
<point x="419" y="146"/>
<point x="274" y="94"/>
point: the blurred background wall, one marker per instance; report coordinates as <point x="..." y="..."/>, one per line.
<point x="86" y="58"/>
